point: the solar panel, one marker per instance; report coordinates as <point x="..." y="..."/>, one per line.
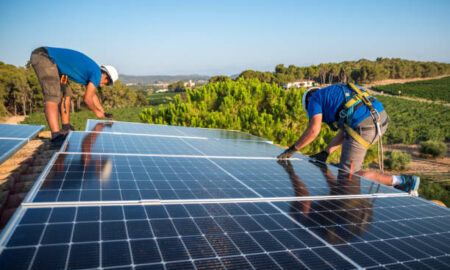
<point x="19" y="131"/>
<point x="81" y="177"/>
<point x="89" y="142"/>
<point x="323" y="234"/>
<point x="140" y="128"/>
<point x="77" y="177"/>
<point x="224" y="235"/>
<point x="13" y="137"/>
<point x="155" y="199"/>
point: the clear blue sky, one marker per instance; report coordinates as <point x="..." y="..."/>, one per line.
<point x="225" y="37"/>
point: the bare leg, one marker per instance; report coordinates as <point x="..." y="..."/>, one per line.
<point x="65" y="114"/>
<point x="51" y="113"/>
<point x="375" y="176"/>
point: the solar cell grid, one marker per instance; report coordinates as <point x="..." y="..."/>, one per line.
<point x="377" y="232"/>
<point x="9" y="147"/>
<point x="89" y="142"/>
<point x="271" y="178"/>
<point x="79" y="177"/>
<point x="140" y="128"/>
<point x="227" y="235"/>
<point x="19" y="131"/>
<point x="84" y="177"/>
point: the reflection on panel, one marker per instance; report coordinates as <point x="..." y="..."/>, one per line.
<point x="383" y="231"/>
<point x="210" y="236"/>
<point x="85" y="177"/>
<point x="272" y="178"/>
<point x="19" y="131"/>
<point x="140" y="128"/>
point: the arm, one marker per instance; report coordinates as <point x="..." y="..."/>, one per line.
<point x="307" y="137"/>
<point x="311" y="132"/>
<point x="90" y="98"/>
<point x="336" y="142"/>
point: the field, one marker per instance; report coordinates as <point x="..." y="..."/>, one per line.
<point x="437" y="90"/>
<point x="161" y="98"/>
<point x="414" y="121"/>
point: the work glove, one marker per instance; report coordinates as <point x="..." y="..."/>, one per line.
<point x="109" y="116"/>
<point x="322" y="156"/>
<point x="288" y="152"/>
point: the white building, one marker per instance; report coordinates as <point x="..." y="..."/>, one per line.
<point x="298" y="84"/>
<point x="189" y="84"/>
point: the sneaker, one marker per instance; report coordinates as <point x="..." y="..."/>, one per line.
<point x="410" y="184"/>
<point x="58" y="140"/>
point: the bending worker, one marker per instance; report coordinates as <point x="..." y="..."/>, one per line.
<point x="54" y="67"/>
<point x="361" y="121"/>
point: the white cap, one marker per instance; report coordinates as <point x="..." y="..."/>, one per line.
<point x="112" y="73"/>
<point x="308" y="92"/>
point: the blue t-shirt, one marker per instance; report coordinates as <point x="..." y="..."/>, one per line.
<point x="77" y="66"/>
<point x="328" y="100"/>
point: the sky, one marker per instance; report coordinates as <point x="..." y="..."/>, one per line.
<point x="225" y="37"/>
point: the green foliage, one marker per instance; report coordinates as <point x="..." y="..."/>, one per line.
<point x="78" y="119"/>
<point x="438" y="89"/>
<point x="433" y="148"/>
<point x="252" y="106"/>
<point x="414" y="121"/>
<point x="397" y="160"/>
<point x="434" y="191"/>
<point x="219" y="78"/>
<point x="361" y="71"/>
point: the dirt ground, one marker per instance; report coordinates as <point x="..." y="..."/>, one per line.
<point x="439" y="167"/>
<point x="12" y="119"/>
<point x="391" y="81"/>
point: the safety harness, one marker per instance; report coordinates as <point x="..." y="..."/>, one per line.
<point x="63" y="81"/>
<point x="355" y="98"/>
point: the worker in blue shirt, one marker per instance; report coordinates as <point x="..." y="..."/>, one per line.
<point x="54" y="67"/>
<point x="361" y="121"/>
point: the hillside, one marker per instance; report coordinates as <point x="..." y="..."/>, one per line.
<point x="160" y="78"/>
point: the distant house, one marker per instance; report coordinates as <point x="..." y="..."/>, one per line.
<point x="189" y="84"/>
<point x="298" y="84"/>
<point x="162" y="91"/>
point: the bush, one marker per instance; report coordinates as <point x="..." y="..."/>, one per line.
<point x="397" y="160"/>
<point x="433" y="148"/>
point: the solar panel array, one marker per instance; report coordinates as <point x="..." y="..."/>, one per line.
<point x="164" y="197"/>
<point x="13" y="137"/>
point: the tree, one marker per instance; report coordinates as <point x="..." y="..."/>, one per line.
<point x="219" y="78"/>
<point x="177" y="87"/>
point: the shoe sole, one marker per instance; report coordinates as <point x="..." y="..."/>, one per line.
<point x="415" y="191"/>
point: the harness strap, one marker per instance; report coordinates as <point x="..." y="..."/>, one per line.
<point x="357" y="137"/>
<point x="64" y="79"/>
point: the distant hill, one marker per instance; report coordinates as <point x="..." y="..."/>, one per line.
<point x="160" y="78"/>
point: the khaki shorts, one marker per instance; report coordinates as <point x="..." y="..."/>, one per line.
<point x="48" y="75"/>
<point x="352" y="151"/>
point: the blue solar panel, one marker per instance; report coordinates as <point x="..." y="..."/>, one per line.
<point x="167" y="200"/>
<point x="322" y="234"/>
<point x="9" y="147"/>
<point x="19" y="131"/>
<point x="88" y="177"/>
<point x="13" y="137"/>
<point x="224" y="235"/>
<point x="140" y="128"/>
<point x="89" y="142"/>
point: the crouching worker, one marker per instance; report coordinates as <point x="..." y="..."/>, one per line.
<point x="54" y="67"/>
<point x="361" y="121"/>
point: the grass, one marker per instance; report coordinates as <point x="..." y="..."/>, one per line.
<point x="78" y="119"/>
<point x="438" y="89"/>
